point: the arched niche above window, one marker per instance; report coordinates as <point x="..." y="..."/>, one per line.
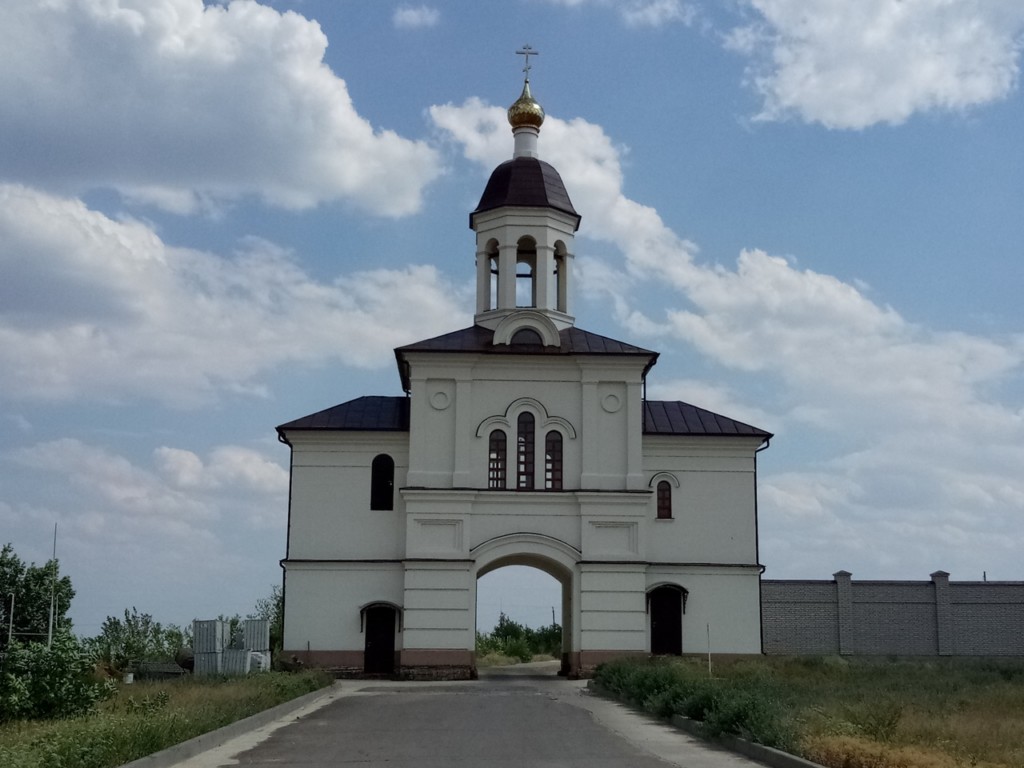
<point x="526" y="320"/>
<point x="545" y="420"/>
<point x="526" y="337"/>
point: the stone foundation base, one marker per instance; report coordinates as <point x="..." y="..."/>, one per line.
<point x="413" y="664"/>
<point x="437" y="664"/>
<point x="446" y="664"/>
<point x="586" y="661"/>
<point x="437" y="673"/>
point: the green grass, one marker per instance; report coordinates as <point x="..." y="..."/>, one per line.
<point x="846" y="713"/>
<point x="147" y="717"/>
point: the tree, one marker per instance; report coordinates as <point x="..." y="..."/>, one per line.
<point x="272" y="609"/>
<point x="137" y="638"/>
<point x="32" y="587"/>
<point x="510" y="638"/>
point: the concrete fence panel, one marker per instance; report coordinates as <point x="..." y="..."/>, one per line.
<point x="893" y="618"/>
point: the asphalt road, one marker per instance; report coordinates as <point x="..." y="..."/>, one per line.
<point x="523" y="716"/>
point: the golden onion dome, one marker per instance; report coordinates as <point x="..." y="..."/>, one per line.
<point x="526" y="111"/>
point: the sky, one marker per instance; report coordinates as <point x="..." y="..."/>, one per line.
<point x="216" y="218"/>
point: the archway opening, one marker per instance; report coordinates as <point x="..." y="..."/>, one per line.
<point x="521" y="614"/>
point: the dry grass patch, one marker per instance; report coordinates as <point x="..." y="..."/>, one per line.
<point x="145" y="718"/>
<point x="849" y="713"/>
<point x="858" y="752"/>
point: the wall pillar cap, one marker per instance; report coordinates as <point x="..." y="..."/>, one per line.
<point x="939" y="576"/>
<point x="838" y="575"/>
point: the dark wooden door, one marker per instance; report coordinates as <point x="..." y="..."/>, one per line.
<point x="666" y="605"/>
<point x="379" y="653"/>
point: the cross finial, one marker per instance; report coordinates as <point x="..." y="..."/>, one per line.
<point x="526" y="52"/>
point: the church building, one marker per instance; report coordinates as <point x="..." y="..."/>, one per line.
<point x="521" y="440"/>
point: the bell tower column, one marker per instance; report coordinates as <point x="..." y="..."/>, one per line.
<point x="507" y="275"/>
<point x="545" y="272"/>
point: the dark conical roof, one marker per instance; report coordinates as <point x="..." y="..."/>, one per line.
<point x="525" y="182"/>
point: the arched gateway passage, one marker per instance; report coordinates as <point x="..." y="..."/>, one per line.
<point x="547" y="554"/>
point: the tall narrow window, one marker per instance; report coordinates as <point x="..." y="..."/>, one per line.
<point x="664" y="500"/>
<point x="553" y="461"/>
<point x="496" y="456"/>
<point x="524" y="452"/>
<point x="382" y="482"/>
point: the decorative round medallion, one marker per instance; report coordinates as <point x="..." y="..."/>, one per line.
<point x="440" y="400"/>
<point x="611" y="403"/>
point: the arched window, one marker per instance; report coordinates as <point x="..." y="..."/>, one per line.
<point x="496" y="460"/>
<point x="524" y="452"/>
<point x="664" y="495"/>
<point x="382" y="482"/>
<point x="553" y="461"/>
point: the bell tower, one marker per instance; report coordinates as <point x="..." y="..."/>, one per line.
<point x="525" y="225"/>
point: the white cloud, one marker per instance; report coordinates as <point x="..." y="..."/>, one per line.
<point x="114" y="487"/>
<point x="656" y="13"/>
<point x="96" y="308"/>
<point x="229" y="466"/>
<point x="190" y="106"/>
<point x="854" y="64"/>
<point x="642" y="13"/>
<point x="905" y="435"/>
<point x="409" y="17"/>
<point x="212" y="528"/>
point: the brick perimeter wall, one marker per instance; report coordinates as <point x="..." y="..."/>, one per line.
<point x="901" y="618"/>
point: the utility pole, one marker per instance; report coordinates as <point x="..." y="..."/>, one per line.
<point x="53" y="588"/>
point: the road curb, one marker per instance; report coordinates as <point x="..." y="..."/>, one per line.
<point x="173" y="755"/>
<point x="770" y="756"/>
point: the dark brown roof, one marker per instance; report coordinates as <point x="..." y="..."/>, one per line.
<point x="372" y="413"/>
<point x="480" y="340"/>
<point x="574" y="341"/>
<point x="391" y="414"/>
<point x="672" y="417"/>
<point x="525" y="182"/>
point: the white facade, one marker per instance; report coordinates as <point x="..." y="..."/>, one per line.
<point x="575" y="494"/>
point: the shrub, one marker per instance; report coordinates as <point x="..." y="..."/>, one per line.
<point x="746" y="706"/>
<point x="40" y="682"/>
<point x="518" y="648"/>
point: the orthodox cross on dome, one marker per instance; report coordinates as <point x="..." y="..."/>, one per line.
<point x="526" y="52"/>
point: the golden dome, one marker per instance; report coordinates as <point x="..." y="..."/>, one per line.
<point x="526" y="111"/>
